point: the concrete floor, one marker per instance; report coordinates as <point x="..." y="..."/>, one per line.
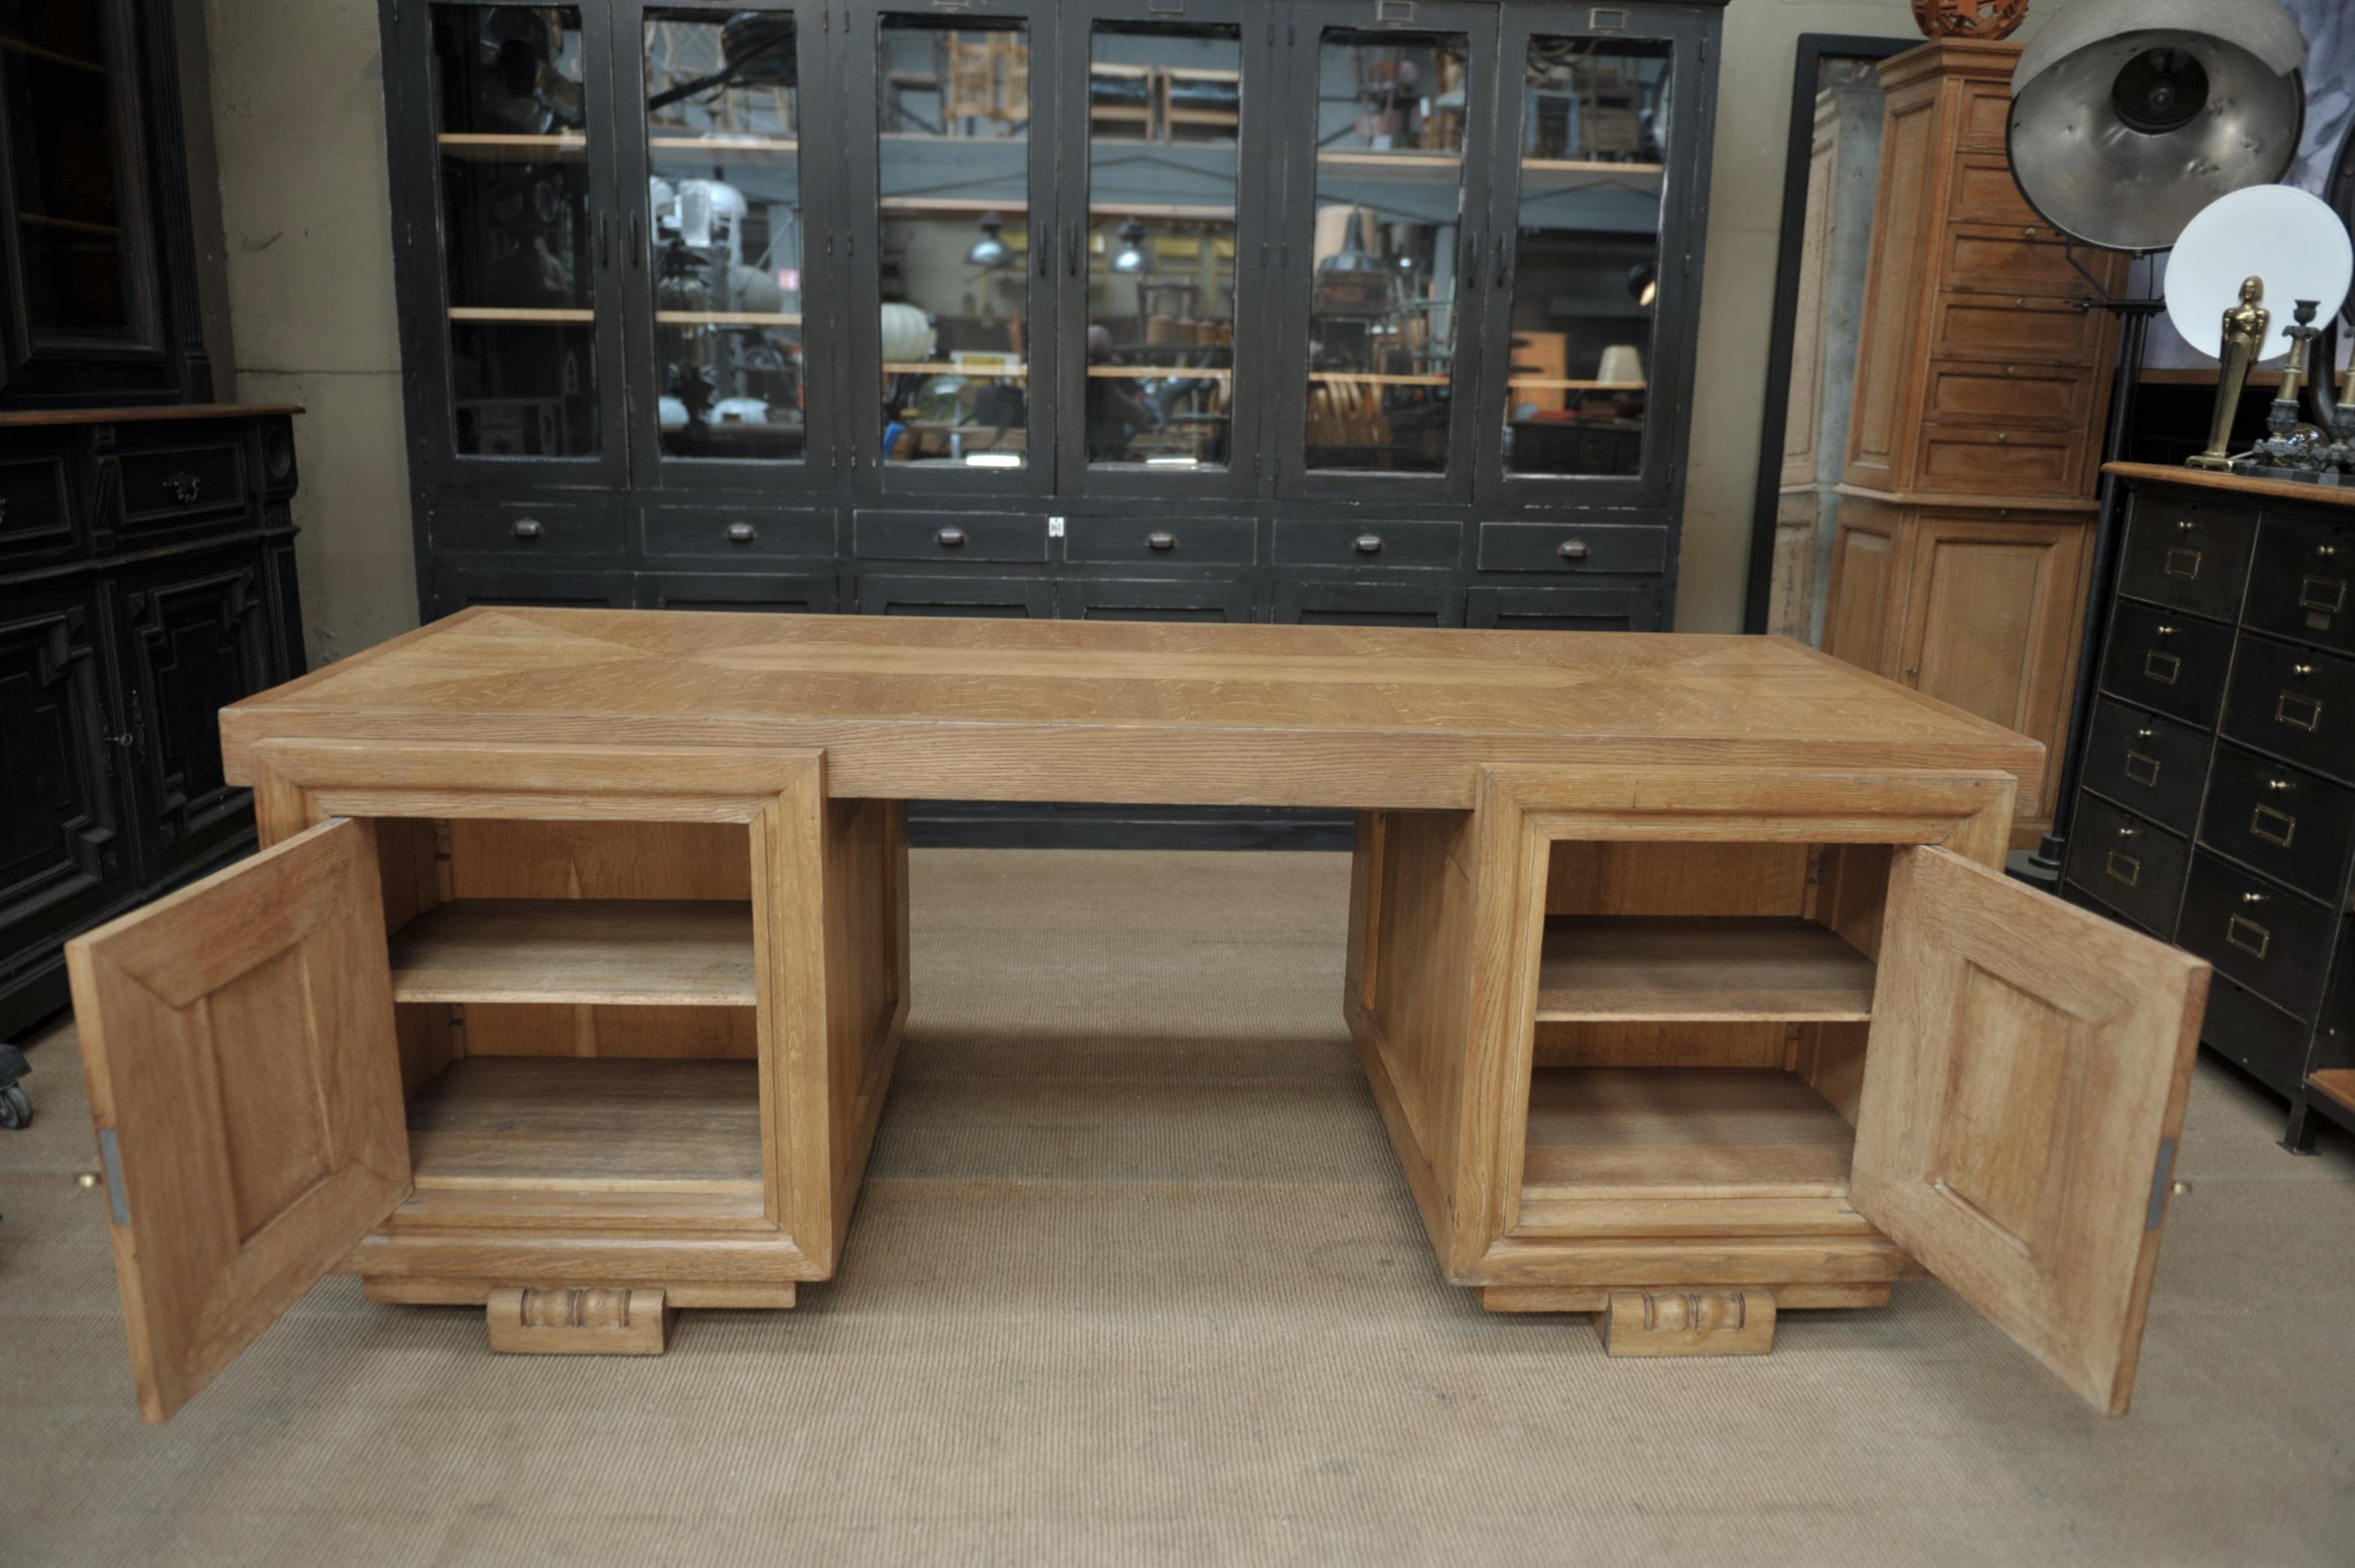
<point x="1135" y="1279"/>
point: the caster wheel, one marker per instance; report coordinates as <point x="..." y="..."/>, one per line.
<point x="16" y="1109"/>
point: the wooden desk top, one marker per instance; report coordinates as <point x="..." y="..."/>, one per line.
<point x="2236" y="483"/>
<point x="1093" y="711"/>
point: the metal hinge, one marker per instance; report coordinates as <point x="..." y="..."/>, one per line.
<point x="2161" y="1181"/>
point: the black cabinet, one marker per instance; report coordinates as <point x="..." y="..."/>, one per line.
<point x="152" y="585"/>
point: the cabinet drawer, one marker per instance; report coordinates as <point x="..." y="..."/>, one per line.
<point x="2295" y="703"/>
<point x="2004" y="460"/>
<point x="950" y="535"/>
<point x="1564" y="609"/>
<point x="1987" y="115"/>
<point x="2167" y="661"/>
<point x="2300" y="585"/>
<point x="1142" y="541"/>
<point x="167" y="484"/>
<point x="2012" y="397"/>
<point x="2023" y="329"/>
<point x="2010" y="259"/>
<point x="734" y="533"/>
<point x="2186" y="554"/>
<point x="2127" y="863"/>
<point x="455" y="588"/>
<point x="2244" y="1027"/>
<point x="993" y="598"/>
<point x="2152" y="764"/>
<point x="37" y="518"/>
<point x="1368" y="544"/>
<point x="1984" y="192"/>
<point x="1572" y="546"/>
<point x="1152" y="599"/>
<point x="566" y="530"/>
<point x="2272" y="941"/>
<point x="1360" y="603"/>
<point x="807" y="593"/>
<point x="2282" y="820"/>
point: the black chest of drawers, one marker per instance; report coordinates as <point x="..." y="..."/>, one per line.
<point x="146" y="581"/>
<point x="2217" y="800"/>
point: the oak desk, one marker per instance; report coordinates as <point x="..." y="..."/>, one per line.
<point x="571" y="979"/>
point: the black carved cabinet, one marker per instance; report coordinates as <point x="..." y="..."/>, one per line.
<point x="146" y="581"/>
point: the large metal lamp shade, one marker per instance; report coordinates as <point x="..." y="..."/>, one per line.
<point x="2128" y="116"/>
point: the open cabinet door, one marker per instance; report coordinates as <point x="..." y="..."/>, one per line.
<point x="2023" y="1088"/>
<point x="239" y="1042"/>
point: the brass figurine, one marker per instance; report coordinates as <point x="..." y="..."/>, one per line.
<point x="2244" y="332"/>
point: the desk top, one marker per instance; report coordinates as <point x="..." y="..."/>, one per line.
<point x="1126" y="712"/>
<point x="2248" y="485"/>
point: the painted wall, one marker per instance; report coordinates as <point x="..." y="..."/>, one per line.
<point x="305" y="252"/>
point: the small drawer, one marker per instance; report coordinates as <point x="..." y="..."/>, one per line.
<point x="2012" y="397"/>
<point x="1984" y="192"/>
<point x="36" y="516"/>
<point x="2153" y="765"/>
<point x="163" y="486"/>
<point x="1141" y="541"/>
<point x="2293" y="703"/>
<point x="2014" y="328"/>
<point x="564" y="529"/>
<point x="2010" y="259"/>
<point x="2128" y="864"/>
<point x="2001" y="461"/>
<point x="1368" y="544"/>
<point x="950" y="535"/>
<point x="2167" y="661"/>
<point x="1986" y="118"/>
<point x="2186" y="552"/>
<point x="2271" y="940"/>
<point x="734" y="533"/>
<point x="1594" y="609"/>
<point x="1572" y="546"/>
<point x="2282" y="820"/>
<point x="2244" y="1027"/>
<point x="2303" y="582"/>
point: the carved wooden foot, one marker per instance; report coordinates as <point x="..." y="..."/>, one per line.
<point x="594" y="1322"/>
<point x="1687" y="1323"/>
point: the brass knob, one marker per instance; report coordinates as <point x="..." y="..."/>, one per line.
<point x="1571" y="550"/>
<point x="1369" y="544"/>
<point x="2253" y="897"/>
<point x="2129" y="832"/>
<point x="2167" y="631"/>
<point x="527" y="528"/>
<point x="2301" y="669"/>
<point x="2278" y="784"/>
<point x="1913" y="669"/>
<point x="2003" y="438"/>
<point x="741" y="533"/>
<point x="2145" y="734"/>
<point x="1161" y="538"/>
<point x="951" y="538"/>
<point x="2324" y="551"/>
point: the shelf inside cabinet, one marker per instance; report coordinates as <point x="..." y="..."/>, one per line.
<point x="601" y="1140"/>
<point x="1699" y="969"/>
<point x="2336" y="1084"/>
<point x="734" y="149"/>
<point x="1618" y="1133"/>
<point x="1393" y="167"/>
<point x="520" y="314"/>
<point x="1580" y="174"/>
<point x="498" y="147"/>
<point x="595" y="952"/>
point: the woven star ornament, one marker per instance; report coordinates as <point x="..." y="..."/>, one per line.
<point x="1987" y="19"/>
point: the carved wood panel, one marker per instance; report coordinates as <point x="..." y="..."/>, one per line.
<point x="61" y="848"/>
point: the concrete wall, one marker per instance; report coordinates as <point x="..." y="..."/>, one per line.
<point x="306" y="249"/>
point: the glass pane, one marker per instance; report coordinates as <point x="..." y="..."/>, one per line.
<point x="954" y="169"/>
<point x="723" y="137"/>
<point x="1391" y="112"/>
<point x="63" y="74"/>
<point x="517" y="235"/>
<point x="1586" y="258"/>
<point x="1165" y="108"/>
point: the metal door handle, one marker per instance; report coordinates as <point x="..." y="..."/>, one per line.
<point x="1571" y="550"/>
<point x="1160" y="538"/>
<point x="1074" y="247"/>
<point x="951" y="538"/>
<point x="186" y="485"/>
<point x="741" y="533"/>
<point x="1502" y="255"/>
<point x="605" y="239"/>
<point x="637" y="242"/>
<point x="527" y="528"/>
<point x="1369" y="544"/>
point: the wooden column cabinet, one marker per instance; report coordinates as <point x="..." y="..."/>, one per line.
<point x="571" y="982"/>
<point x="1966" y="502"/>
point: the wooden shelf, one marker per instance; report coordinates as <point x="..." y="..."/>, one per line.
<point x="950" y="367"/>
<point x="1371" y="380"/>
<point x="1598" y="1134"/>
<point x="1697" y="970"/>
<point x="1147" y="372"/>
<point x="519" y="314"/>
<point x="2336" y="1084"/>
<point x="606" y="951"/>
<point x="735" y="149"/>
<point x="611" y="1140"/>
<point x="727" y="318"/>
<point x="495" y="147"/>
<point x="1553" y="384"/>
<point x="1544" y="175"/>
<point x="1393" y="168"/>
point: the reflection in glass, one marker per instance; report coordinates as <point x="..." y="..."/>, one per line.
<point x="517" y="232"/>
<point x="1391" y="112"/>
<point x="953" y="174"/>
<point x="1164" y="111"/>
<point x="61" y="71"/>
<point x="1586" y="262"/>
<point x="723" y="144"/>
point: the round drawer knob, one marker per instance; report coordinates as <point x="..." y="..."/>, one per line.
<point x="2128" y="832"/>
<point x="2253" y="897"/>
<point x="2145" y="734"/>
<point x="528" y="529"/>
<point x="2003" y="438"/>
<point x="950" y="538"/>
<point x="1161" y="538"/>
<point x="2167" y="631"/>
<point x="741" y="533"/>
<point x="1369" y="544"/>
<point x="1571" y="550"/>
<point x="2301" y="669"/>
<point x="2278" y="784"/>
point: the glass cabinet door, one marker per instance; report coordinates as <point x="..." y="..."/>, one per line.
<point x="1587" y="261"/>
<point x="1382" y="296"/>
<point x="1160" y="268"/>
<point x="951" y="248"/>
<point x="532" y="346"/>
<point x="720" y="269"/>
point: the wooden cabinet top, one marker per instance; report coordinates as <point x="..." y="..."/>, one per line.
<point x="2256" y="489"/>
<point x="1123" y="711"/>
